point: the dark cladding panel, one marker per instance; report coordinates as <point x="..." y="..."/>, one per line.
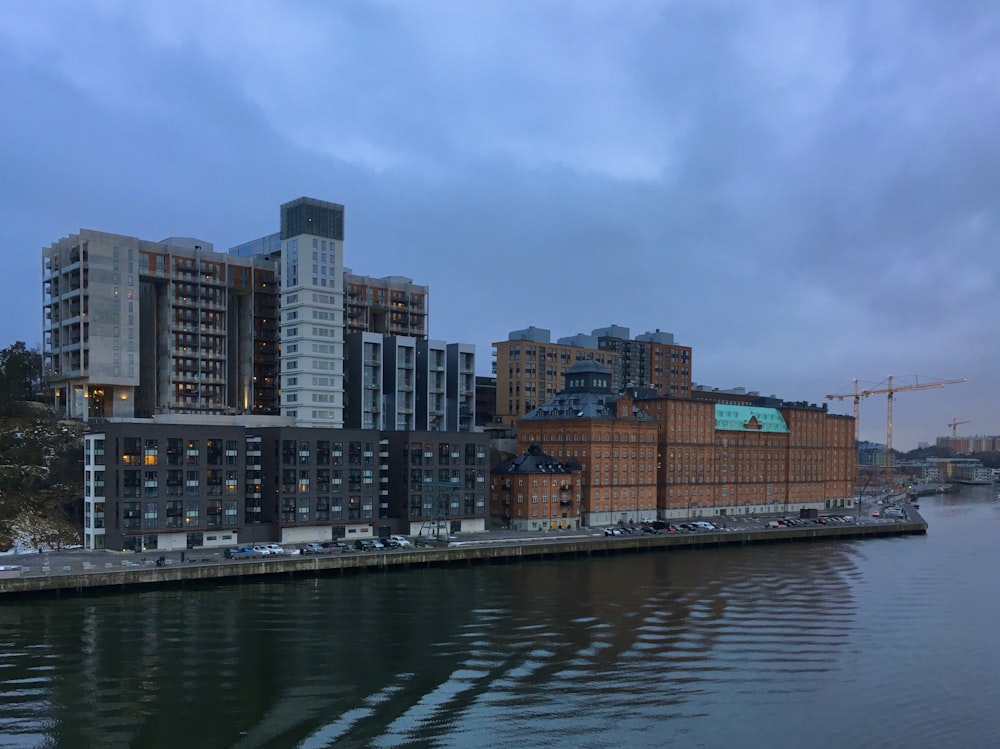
<point x="315" y="217"/>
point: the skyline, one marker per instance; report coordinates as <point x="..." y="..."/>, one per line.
<point x="801" y="193"/>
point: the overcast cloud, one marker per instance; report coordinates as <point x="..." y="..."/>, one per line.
<point x="803" y="192"/>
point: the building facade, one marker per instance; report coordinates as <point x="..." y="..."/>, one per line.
<point x="187" y="484"/>
<point x="172" y="486"/>
<point x="312" y="312"/>
<point x="391" y="306"/>
<point x="534" y="491"/>
<point x="723" y="458"/>
<point x="529" y="368"/>
<point x="614" y="442"/>
<point x="133" y="327"/>
<point x="438" y="481"/>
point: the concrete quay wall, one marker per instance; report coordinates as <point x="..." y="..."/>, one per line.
<point x="72" y="579"/>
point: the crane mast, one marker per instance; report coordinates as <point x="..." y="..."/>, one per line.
<point x="890" y="390"/>
<point x="954" y="424"/>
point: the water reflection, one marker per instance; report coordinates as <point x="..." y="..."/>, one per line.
<point x="638" y="650"/>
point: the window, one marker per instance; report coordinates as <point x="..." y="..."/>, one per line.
<point x="175" y="451"/>
<point x="150" y="518"/>
<point x="175" y="514"/>
<point x="213" y="481"/>
<point x="213" y="452"/>
<point x="130" y="484"/>
<point x="130" y="451"/>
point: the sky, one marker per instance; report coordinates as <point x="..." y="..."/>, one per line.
<point x="803" y="192"/>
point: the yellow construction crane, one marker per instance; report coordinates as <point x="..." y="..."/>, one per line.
<point x="890" y="390"/>
<point x="954" y="426"/>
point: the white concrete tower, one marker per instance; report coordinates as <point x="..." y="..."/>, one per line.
<point x="312" y="312"/>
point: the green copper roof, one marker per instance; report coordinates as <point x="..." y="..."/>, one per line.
<point x="749" y="419"/>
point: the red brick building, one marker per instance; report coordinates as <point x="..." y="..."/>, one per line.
<point x="614" y="442"/>
<point x="644" y="454"/>
<point x="534" y="491"/>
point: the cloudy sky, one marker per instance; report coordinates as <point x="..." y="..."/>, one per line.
<point x="803" y="192"/>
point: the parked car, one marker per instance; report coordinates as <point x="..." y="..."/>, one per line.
<point x="271" y="549"/>
<point x="401" y="541"/>
<point x="242" y="552"/>
<point x="340" y="546"/>
<point x="313" y="549"/>
<point x="376" y="544"/>
<point x="363" y="544"/>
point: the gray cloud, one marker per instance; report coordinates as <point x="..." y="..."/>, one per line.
<point x="804" y="193"/>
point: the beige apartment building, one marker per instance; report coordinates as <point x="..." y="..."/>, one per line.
<point x="530" y="368"/>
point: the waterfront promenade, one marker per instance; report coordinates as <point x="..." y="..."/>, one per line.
<point x="78" y="571"/>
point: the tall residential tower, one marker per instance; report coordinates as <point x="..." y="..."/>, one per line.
<point x="312" y="312"/>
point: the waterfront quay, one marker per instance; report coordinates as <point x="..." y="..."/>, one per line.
<point x="102" y="572"/>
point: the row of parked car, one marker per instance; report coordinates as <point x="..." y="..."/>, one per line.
<point x="659" y="527"/>
<point x="326" y="547"/>
<point x="256" y="550"/>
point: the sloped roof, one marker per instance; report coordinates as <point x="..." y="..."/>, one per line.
<point x="749" y="419"/>
<point x="535" y="461"/>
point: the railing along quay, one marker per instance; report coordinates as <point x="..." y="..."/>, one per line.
<point x="128" y="575"/>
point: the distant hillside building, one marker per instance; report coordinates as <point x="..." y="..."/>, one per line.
<point x="970" y="445"/>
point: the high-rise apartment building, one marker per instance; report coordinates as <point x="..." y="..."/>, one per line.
<point x="312" y="312"/>
<point x="460" y="415"/>
<point x="399" y="383"/>
<point x="393" y="306"/>
<point x="133" y="327"/>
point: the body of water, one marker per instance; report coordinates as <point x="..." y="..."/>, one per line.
<point x="877" y="643"/>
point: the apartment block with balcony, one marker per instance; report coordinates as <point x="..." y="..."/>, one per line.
<point x="364" y="381"/>
<point x="133" y="327"/>
<point x="320" y="484"/>
<point x="164" y="486"/>
<point x="439" y="481"/>
<point x="391" y="306"/>
<point x="432" y="379"/>
<point x="460" y="387"/>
